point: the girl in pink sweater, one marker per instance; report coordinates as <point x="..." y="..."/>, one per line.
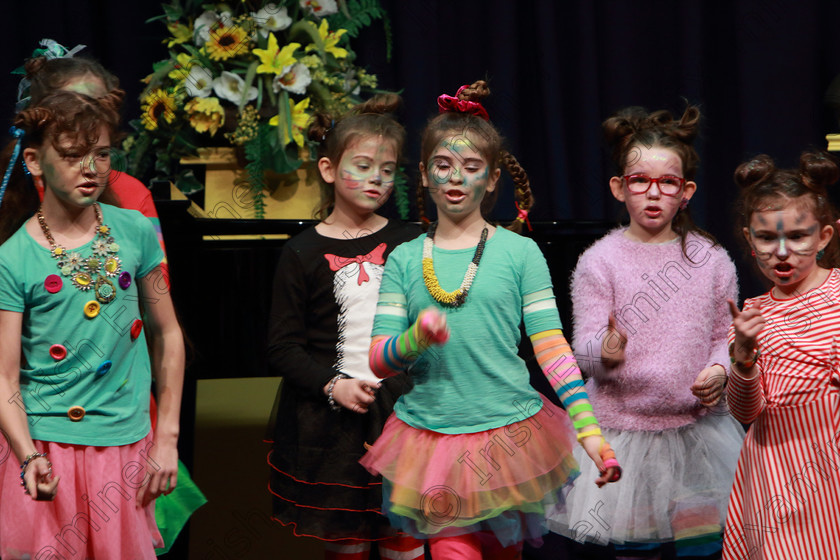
<point x="650" y="330"/>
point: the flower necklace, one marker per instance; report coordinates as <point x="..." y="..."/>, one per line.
<point x="457" y="297"/>
<point x="102" y="263"/>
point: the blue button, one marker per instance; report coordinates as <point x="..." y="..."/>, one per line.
<point x="104" y="367"/>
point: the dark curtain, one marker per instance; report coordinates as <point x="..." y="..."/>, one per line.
<point x="759" y="70"/>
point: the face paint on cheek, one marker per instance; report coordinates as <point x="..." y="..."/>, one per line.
<point x="351" y="180"/>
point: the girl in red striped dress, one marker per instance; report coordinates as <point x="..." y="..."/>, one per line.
<point x="785" y="379"/>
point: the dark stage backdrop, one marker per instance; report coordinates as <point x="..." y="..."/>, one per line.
<point x="759" y="70"/>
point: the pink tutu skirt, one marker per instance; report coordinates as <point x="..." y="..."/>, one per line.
<point x="94" y="514"/>
<point x="500" y="480"/>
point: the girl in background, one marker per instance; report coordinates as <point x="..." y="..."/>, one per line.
<point x="330" y="404"/>
<point x="55" y="68"/>
<point x="650" y="330"/>
<point x="473" y="454"/>
<point x="785" y="375"/>
<point x="75" y="370"/>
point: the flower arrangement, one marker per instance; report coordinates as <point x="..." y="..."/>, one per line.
<point x="249" y="75"/>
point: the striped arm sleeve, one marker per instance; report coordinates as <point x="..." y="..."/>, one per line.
<point x="746" y="401"/>
<point x="558" y="365"/>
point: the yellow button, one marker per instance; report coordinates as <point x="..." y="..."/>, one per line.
<point x="76" y="413"/>
<point x="91" y="309"/>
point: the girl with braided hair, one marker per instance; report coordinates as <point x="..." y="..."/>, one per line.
<point x="473" y="454"/>
<point x="650" y="325"/>
<point x="785" y="377"/>
<point x="75" y="368"/>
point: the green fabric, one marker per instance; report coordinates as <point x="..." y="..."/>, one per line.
<point x="174" y="510"/>
<point x="476" y="381"/>
<point x="116" y="403"/>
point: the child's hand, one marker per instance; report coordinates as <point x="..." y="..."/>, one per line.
<point x="432" y="326"/>
<point x="161" y="475"/>
<point x="708" y="387"/>
<point x="612" y="345"/>
<point x="747" y="325"/>
<point x="355" y="394"/>
<point x="604" y="458"/>
<point x="41" y="485"/>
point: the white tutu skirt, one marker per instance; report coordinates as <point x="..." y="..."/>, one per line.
<point x="675" y="485"/>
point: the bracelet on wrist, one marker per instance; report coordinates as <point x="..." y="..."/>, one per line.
<point x="748" y="364"/>
<point x="330" y="399"/>
<point x="29" y="458"/>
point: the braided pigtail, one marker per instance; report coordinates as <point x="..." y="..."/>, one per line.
<point x="522" y="191"/>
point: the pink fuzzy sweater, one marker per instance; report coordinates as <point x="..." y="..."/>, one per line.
<point x="674" y="312"/>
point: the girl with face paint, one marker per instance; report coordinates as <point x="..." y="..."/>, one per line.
<point x="650" y="330"/>
<point x="785" y="378"/>
<point x="75" y="368"/>
<point x="330" y="405"/>
<point x="473" y="455"/>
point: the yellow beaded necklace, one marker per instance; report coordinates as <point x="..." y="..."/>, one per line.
<point x="457" y="297"/>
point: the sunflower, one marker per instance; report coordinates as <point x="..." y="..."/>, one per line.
<point x="158" y="102"/>
<point x="226" y="42"/>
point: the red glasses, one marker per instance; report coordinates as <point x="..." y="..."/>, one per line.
<point x="669" y="185"/>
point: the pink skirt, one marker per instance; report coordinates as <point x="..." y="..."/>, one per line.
<point x="94" y="514"/>
<point x="501" y="480"/>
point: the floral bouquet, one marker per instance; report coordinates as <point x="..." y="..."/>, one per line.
<point x="248" y="75"/>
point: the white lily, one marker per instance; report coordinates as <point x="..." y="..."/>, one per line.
<point x="294" y="80"/>
<point x="231" y="87"/>
<point x="320" y="8"/>
<point x="199" y="82"/>
<point x="271" y="18"/>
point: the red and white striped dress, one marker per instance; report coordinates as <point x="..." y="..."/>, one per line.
<point x="785" y="503"/>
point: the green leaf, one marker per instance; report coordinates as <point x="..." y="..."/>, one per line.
<point x="187" y="182"/>
<point x="172" y="11"/>
<point x="303" y="30"/>
<point x="401" y="193"/>
<point x="249" y="80"/>
<point x="196" y="53"/>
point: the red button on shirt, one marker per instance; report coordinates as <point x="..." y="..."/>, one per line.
<point x="58" y="352"/>
<point x="136" y="329"/>
<point x="53" y="283"/>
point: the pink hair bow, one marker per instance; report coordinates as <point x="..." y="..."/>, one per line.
<point x="449" y="104"/>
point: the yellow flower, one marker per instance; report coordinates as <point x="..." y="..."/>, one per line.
<point x="330" y="40"/>
<point x="205" y="113"/>
<point x="180" y="34"/>
<point x="275" y="60"/>
<point x="158" y="103"/>
<point x="300" y="118"/>
<point x="182" y="67"/>
<point x="226" y="42"/>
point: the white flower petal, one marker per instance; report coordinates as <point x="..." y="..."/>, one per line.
<point x="320" y="8"/>
<point x="202" y="26"/>
<point x="272" y="18"/>
<point x="294" y="79"/>
<point x="231" y="87"/>
<point x="199" y="82"/>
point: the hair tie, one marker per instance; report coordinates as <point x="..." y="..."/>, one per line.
<point x="522" y="216"/>
<point x="49" y="49"/>
<point x="16" y="133"/>
<point x="449" y="104"/>
<point x="328" y="130"/>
